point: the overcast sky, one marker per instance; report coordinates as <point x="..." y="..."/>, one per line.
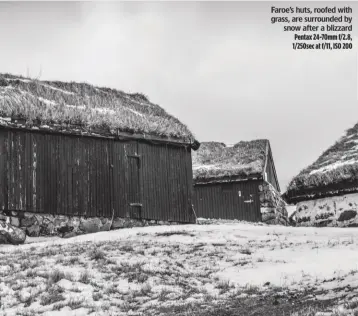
<point x="221" y="68"/>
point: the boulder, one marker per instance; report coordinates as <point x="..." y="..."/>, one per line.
<point x="33" y="231"/>
<point x="69" y="235"/>
<point x="11" y="234"/>
<point x="268" y="216"/>
<point x="28" y="221"/>
<point x="347" y="215"/>
<point x="63" y="230"/>
<point x="323" y="223"/>
<point x="90" y="225"/>
<point x="15" y="221"/>
<point x="60" y="221"/>
<point x="119" y="223"/>
<point x="47" y="229"/>
<point x="106" y="227"/>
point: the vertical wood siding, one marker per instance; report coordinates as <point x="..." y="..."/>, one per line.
<point x="223" y="200"/>
<point x="166" y="183"/>
<point x="68" y="175"/>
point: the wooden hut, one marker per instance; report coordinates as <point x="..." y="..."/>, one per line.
<point x="326" y="192"/>
<point x="237" y="182"/>
<point x="72" y="154"/>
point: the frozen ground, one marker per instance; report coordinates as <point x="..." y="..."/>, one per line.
<point x="217" y="269"/>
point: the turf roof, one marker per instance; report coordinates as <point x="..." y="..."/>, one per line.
<point x="81" y="104"/>
<point x="215" y="160"/>
<point x="336" y="166"/>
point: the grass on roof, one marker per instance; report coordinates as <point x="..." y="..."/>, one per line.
<point x="337" y="164"/>
<point x="85" y="105"/>
<point x="216" y="160"/>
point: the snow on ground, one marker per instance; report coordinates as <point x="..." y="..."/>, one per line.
<point x="135" y="112"/>
<point x="334" y="165"/>
<point x="151" y="269"/>
<point x="47" y="102"/>
<point x="54" y="88"/>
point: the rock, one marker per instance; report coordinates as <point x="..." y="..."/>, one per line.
<point x="60" y="221"/>
<point x="323" y="223"/>
<point x="64" y="230"/>
<point x="272" y="221"/>
<point x="15" y="221"/>
<point x="268" y="210"/>
<point x="33" y="231"/>
<point x="118" y="223"/>
<point x="69" y="235"/>
<point x="74" y="222"/>
<point x="11" y="234"/>
<point x="39" y="219"/>
<point x="3" y="239"/>
<point x="47" y="229"/>
<point x="347" y="215"/>
<point x="106" y="227"/>
<point x="90" y="225"/>
<point x="103" y="220"/>
<point x="268" y="216"/>
<point x="28" y="221"/>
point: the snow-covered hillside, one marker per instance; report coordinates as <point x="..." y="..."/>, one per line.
<point x="170" y="270"/>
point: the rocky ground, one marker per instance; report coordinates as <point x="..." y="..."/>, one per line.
<point x="221" y="269"/>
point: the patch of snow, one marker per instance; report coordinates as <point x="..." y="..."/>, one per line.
<point x="19" y="79"/>
<point x="136" y="101"/>
<point x="353" y="141"/>
<point x="334" y="166"/>
<point x="56" y="89"/>
<point x="47" y="102"/>
<point x="80" y="107"/>
<point x="135" y="112"/>
<point x="104" y="110"/>
<point x="290" y="209"/>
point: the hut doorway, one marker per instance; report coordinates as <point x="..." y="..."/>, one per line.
<point x="134" y="192"/>
<point x="248" y="204"/>
<point x="241" y="201"/>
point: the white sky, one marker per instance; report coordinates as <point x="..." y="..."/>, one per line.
<point x="221" y="67"/>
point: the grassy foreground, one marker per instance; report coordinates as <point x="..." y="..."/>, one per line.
<point x="221" y="270"/>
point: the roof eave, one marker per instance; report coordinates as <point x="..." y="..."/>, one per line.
<point x="78" y="131"/>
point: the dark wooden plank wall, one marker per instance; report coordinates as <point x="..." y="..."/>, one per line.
<point x="68" y="175"/>
<point x="166" y="182"/>
<point x="221" y="200"/>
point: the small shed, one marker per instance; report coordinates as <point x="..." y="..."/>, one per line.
<point x="237" y="182"/>
<point x="326" y="192"/>
<point x="72" y="154"/>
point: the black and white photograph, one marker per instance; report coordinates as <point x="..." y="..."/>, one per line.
<point x="178" y="158"/>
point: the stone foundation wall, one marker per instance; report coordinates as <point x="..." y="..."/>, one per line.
<point x="68" y="226"/>
<point x="273" y="207"/>
<point x="338" y="211"/>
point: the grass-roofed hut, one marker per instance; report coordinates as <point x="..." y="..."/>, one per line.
<point x="237" y="182"/>
<point x="83" y="157"/>
<point x="326" y="192"/>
